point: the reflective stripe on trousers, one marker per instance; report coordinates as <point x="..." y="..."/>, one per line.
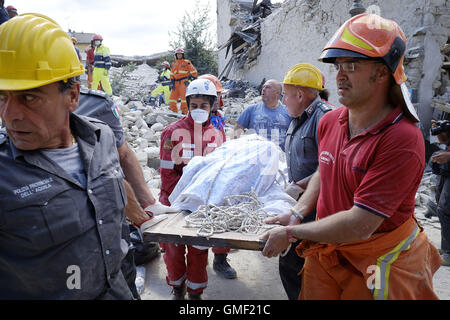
<point x="177" y="283"/>
<point x="196" y="286"/>
<point x="381" y="289"/>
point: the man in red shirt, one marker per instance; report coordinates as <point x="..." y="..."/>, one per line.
<point x="194" y="135"/>
<point x="365" y="242"/>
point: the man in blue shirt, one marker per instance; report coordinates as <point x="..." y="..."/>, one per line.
<point x="268" y="118"/>
<point x="4" y="16"/>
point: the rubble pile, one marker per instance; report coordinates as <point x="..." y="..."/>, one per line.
<point x="238" y="94"/>
<point x="142" y="127"/>
<point x="245" y="41"/>
<point x="442" y="102"/>
<point x="133" y="81"/>
<point x="425" y="199"/>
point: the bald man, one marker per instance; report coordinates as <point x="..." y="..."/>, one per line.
<point x="268" y="118"/>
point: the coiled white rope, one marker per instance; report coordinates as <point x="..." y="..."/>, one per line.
<point x="242" y="213"/>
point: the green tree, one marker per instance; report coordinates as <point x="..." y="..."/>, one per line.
<point x="193" y="35"/>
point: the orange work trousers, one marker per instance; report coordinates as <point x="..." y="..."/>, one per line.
<point x="393" y="265"/>
<point x="179" y="92"/>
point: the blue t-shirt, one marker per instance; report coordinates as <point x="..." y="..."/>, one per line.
<point x="269" y="123"/>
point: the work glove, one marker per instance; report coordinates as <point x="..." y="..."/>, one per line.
<point x="172" y="85"/>
<point x="158" y="208"/>
<point x="294" y="190"/>
<point x="151" y="221"/>
<point x="190" y="77"/>
<point x="186" y="83"/>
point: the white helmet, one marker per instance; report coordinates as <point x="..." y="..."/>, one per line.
<point x="202" y="87"/>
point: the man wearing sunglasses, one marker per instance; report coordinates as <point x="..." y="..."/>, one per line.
<point x="365" y="242"/>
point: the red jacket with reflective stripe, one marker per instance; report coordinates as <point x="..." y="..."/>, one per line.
<point x="180" y="141"/>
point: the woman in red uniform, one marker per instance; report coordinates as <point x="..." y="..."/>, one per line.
<point x="194" y="135"/>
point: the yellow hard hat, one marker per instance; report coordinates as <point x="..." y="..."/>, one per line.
<point x="35" y="51"/>
<point x="305" y="75"/>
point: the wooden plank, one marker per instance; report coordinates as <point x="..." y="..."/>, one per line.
<point x="173" y="230"/>
<point x="242" y="46"/>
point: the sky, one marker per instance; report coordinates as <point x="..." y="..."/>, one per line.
<point x="130" y="27"/>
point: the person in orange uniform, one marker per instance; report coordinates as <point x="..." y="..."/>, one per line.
<point x="194" y="135"/>
<point x="181" y="73"/>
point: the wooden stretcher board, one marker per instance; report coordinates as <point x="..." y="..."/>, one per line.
<point x="173" y="230"/>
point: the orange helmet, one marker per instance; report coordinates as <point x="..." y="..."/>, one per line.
<point x="214" y="80"/>
<point x="369" y="36"/>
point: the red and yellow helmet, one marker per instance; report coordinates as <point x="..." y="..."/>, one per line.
<point x="369" y="36"/>
<point x="214" y="80"/>
<point x="97" y="37"/>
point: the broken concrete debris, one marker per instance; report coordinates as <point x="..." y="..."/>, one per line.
<point x="245" y="41"/>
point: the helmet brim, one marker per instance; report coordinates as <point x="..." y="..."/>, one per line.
<point x="401" y="93"/>
<point x="26" y="84"/>
<point x="330" y="55"/>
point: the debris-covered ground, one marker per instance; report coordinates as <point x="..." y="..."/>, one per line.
<point x="257" y="276"/>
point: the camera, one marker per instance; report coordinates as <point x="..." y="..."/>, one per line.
<point x="441" y="126"/>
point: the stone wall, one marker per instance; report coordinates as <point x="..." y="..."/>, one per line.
<point x="299" y="29"/>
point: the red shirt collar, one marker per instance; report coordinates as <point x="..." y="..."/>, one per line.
<point x="393" y="117"/>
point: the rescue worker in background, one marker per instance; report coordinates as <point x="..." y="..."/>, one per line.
<point x="365" y="242"/>
<point x="102" y="63"/>
<point x="181" y="73"/>
<point x="194" y="135"/>
<point x="164" y="85"/>
<point x="74" y="41"/>
<point x="4" y="16"/>
<point x="220" y="263"/>
<point x="441" y="167"/>
<point x="62" y="220"/>
<point x="302" y="86"/>
<point x="12" y="12"/>
<point x="90" y="63"/>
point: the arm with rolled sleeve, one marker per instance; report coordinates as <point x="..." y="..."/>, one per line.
<point x="243" y="122"/>
<point x="168" y="169"/>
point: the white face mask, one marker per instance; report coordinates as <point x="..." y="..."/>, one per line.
<point x="97" y="43"/>
<point x="199" y="115"/>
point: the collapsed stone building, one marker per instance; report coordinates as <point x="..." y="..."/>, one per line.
<point x="257" y="43"/>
